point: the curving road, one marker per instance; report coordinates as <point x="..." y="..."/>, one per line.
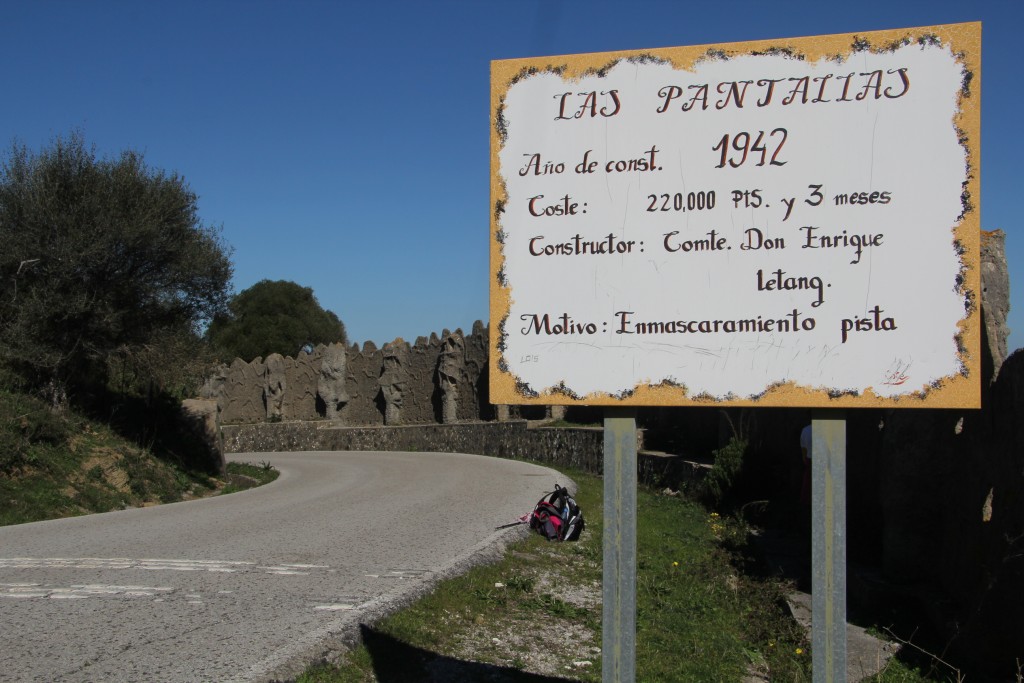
<point x="249" y="587"/>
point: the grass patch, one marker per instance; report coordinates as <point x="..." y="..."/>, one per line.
<point x="244" y="475"/>
<point x="897" y="671"/>
<point x="62" y="465"/>
<point x="536" y="614"/>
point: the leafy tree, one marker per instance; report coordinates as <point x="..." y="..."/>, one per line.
<point x="274" y="316"/>
<point x="176" y="363"/>
<point x="101" y="258"/>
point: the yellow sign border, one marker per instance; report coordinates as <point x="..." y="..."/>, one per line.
<point x="962" y="390"/>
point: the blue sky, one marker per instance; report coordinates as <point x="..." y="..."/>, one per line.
<point x="344" y="146"/>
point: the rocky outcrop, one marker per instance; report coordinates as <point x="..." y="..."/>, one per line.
<point x="952" y="494"/>
<point x="995" y="296"/>
<point x="199" y="421"/>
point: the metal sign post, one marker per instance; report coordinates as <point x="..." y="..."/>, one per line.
<point x="618" y="651"/>
<point x="828" y="545"/>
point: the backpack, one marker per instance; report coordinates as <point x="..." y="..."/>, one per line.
<point x="557" y="516"/>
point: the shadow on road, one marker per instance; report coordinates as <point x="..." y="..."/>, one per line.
<point x="398" y="662"/>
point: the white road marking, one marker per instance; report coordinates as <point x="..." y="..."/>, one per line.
<point x="150" y="564"/>
<point x="81" y="592"/>
<point x="399" y="574"/>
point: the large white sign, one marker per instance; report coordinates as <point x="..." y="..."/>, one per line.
<point x="782" y="223"/>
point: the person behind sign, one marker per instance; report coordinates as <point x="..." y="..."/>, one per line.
<point x="805" y="451"/>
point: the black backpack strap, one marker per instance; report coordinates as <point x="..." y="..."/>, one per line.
<point x="558" y="497"/>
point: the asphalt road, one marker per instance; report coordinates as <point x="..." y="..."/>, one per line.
<point x="250" y="586"/>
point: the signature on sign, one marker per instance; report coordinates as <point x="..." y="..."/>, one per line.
<point x="897" y="373"/>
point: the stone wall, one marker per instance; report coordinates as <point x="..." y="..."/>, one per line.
<point x="436" y="380"/>
<point x="582" y="448"/>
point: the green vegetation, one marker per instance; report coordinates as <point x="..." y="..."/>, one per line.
<point x="108" y="273"/>
<point x="537" y="612"/>
<point x="273" y="317"/>
<point x="898" y="672"/>
<point x="63" y="464"/>
<point x="243" y="475"/>
<point x="728" y="461"/>
<point x="915" y="664"/>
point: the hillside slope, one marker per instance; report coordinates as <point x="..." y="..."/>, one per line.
<point x="60" y="465"/>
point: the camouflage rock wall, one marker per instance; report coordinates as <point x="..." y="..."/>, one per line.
<point x="436" y="379"/>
